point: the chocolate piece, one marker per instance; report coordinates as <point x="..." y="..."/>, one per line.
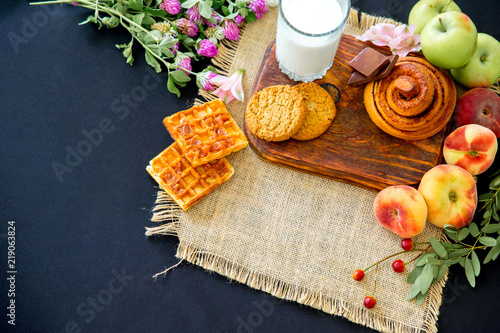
<point x="385" y="73"/>
<point x="357" y="78"/>
<point x="369" y="62"/>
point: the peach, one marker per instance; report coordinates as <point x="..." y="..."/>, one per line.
<point x="451" y="195"/>
<point x="401" y="209"/>
<point x="472" y="147"/>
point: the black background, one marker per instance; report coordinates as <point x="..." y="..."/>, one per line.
<point x="75" y="234"/>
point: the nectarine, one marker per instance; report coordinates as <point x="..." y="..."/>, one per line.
<point x="401" y="209"/>
<point x="451" y="195"/>
<point x="472" y="147"/>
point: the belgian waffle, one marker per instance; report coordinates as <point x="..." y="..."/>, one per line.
<point x="205" y="132"/>
<point x="183" y="182"/>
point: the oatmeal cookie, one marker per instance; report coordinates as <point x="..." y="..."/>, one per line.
<point x="320" y="111"/>
<point x="276" y="113"/>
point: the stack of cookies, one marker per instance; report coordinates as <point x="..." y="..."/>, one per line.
<point x="280" y="112"/>
<point x="194" y="165"/>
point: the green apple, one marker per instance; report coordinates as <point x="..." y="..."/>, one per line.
<point x="424" y="10"/>
<point x="483" y="69"/>
<point x="449" y="40"/>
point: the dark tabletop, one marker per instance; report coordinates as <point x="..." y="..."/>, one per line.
<point x="82" y="260"/>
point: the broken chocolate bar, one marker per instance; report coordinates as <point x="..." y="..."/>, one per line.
<point x="369" y="62"/>
<point x="358" y="78"/>
<point x="385" y="73"/>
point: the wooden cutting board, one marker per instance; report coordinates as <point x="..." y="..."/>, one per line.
<point x="353" y="150"/>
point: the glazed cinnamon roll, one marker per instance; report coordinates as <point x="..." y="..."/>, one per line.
<point x="414" y="102"/>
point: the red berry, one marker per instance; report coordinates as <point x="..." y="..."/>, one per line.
<point x="369" y="302"/>
<point x="407" y="244"/>
<point x="358" y="275"/>
<point x="398" y="266"/>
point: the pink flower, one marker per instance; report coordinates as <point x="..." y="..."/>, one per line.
<point x="259" y="7"/>
<point x="187" y="27"/>
<point x="175" y="48"/>
<point x="185" y="63"/>
<point x="172" y="7"/>
<point x="210" y="24"/>
<point x="239" y="19"/>
<point x="203" y="80"/>
<point x="400" y="39"/>
<point x="231" y="30"/>
<point x="193" y="13"/>
<point x="207" y="49"/>
<point x="229" y="87"/>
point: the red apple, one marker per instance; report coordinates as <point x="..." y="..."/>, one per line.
<point x="472" y="147"/>
<point x="479" y="106"/>
<point x="451" y="195"/>
<point x="401" y="209"/>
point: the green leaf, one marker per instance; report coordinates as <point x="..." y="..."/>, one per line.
<point x="172" y="88"/>
<point x="469" y="272"/>
<point x="476" y="264"/>
<point x="148" y="20"/>
<point x="462" y="234"/>
<point x="421" y="298"/>
<point x="491" y="228"/>
<point x="422" y="260"/>
<point x="204" y="9"/>
<point x="414" y="290"/>
<point x="438" y="247"/>
<point x="151" y="60"/>
<point x="488" y="241"/>
<point x="486" y="214"/>
<point x="496" y="217"/>
<point x="243" y="11"/>
<point x="136" y="5"/>
<point x="415" y="273"/>
<point x="485" y="197"/>
<point x="179" y="76"/>
<point x="225" y="11"/>
<point x="458" y="253"/>
<point x="474" y="229"/>
<point x="217" y="3"/>
<point x="113" y="22"/>
<point x="495" y="183"/>
<point x="190" y="3"/>
<point x="450" y="227"/>
<point x="426" y="278"/>
<point x="493" y="254"/>
<point x="155" y="12"/>
<point x="450" y="261"/>
<point x="137" y="18"/>
<point x="250" y="17"/>
<point x="441" y="272"/>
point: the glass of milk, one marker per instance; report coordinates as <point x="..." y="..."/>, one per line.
<point x="308" y="36"/>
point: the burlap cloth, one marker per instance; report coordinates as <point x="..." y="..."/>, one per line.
<point x="296" y="236"/>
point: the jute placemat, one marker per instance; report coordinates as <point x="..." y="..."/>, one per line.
<point x="294" y="235"/>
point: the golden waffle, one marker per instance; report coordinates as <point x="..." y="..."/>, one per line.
<point x="183" y="182"/>
<point x="206" y="132"/>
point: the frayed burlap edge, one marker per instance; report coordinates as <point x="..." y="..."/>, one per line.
<point x="167" y="212"/>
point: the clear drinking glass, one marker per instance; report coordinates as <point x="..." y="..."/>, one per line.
<point x="308" y="36"/>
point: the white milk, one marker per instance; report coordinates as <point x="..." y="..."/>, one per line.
<point x="307" y="43"/>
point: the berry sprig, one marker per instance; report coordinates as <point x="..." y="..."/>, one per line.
<point x="398" y="266"/>
<point x="433" y="261"/>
